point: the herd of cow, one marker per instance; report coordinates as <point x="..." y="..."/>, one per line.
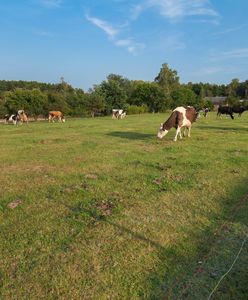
<point x="21" y="117"/>
<point x="180" y="118"/>
<point x="183" y="117"/>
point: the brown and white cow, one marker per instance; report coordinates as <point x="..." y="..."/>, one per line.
<point x="22" y="116"/>
<point x="56" y="115"/>
<point x="181" y="117"/>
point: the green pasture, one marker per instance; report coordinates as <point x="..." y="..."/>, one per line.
<point x="102" y="209"/>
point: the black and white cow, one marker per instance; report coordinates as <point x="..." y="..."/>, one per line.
<point x="225" y="110"/>
<point x="206" y="111"/>
<point x="118" y="114"/>
<point x="181" y="117"/>
<point x="11" y="118"/>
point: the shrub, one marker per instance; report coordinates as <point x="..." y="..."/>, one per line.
<point x="135" y="109"/>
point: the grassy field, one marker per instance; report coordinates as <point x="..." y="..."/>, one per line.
<point x="101" y="209"/>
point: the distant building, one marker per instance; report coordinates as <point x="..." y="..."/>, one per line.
<point x="219" y="100"/>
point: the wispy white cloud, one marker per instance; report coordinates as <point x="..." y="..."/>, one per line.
<point x="51" y="3"/>
<point x="236" y="53"/>
<point x="176" y="9"/>
<point x="172" y="43"/>
<point x="211" y="70"/>
<point x="229" y="30"/>
<point x="136" y="10"/>
<point x="131" y="46"/>
<point x="109" y="29"/>
<point x="113" y="32"/>
<point x="239" y="53"/>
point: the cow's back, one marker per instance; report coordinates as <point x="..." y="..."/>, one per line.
<point x="191" y="114"/>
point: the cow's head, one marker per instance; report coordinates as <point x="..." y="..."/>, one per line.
<point x="161" y="132"/>
<point x="63" y="119"/>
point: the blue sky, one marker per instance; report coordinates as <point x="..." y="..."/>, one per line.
<point x="85" y="40"/>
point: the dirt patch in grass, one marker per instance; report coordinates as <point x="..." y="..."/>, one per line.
<point x="15" y="203"/>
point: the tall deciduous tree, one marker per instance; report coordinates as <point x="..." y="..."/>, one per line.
<point x="151" y="95"/>
<point x="183" y="96"/>
<point x="115" y="91"/>
<point x="233" y="87"/>
<point x="94" y="103"/>
<point x="167" y="78"/>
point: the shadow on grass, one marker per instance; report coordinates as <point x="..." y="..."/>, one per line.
<point x="132" y="135"/>
<point x="207" y="127"/>
<point x="176" y="273"/>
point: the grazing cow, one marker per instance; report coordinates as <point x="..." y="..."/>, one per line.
<point x="123" y="115"/>
<point x="206" y="111"/>
<point x="199" y="111"/>
<point x="239" y="110"/>
<point x="118" y="114"/>
<point x="22" y="117"/>
<point x="19" y="117"/>
<point x="180" y="117"/>
<point x="11" y="119"/>
<point x="56" y="115"/>
<point x="226" y="110"/>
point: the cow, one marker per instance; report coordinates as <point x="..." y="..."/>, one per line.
<point x="123" y="115"/>
<point x="22" y="116"/>
<point x="239" y="110"/>
<point x="180" y="117"/>
<point x="19" y="117"/>
<point x="227" y="110"/>
<point x="206" y="111"/>
<point x="52" y="115"/>
<point x="118" y="114"/>
<point x="11" y="119"/>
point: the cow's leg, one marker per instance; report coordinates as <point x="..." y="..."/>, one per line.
<point x="177" y="132"/>
<point x="184" y="131"/>
<point x="180" y="134"/>
<point x="189" y="128"/>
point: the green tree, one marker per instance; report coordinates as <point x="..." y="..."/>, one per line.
<point x="167" y="79"/>
<point x="56" y="101"/>
<point x="94" y="104"/>
<point x="3" y="108"/>
<point x="233" y="87"/>
<point x="32" y="101"/>
<point x="115" y="92"/>
<point x="151" y="95"/>
<point x="183" y="96"/>
<point x="232" y="101"/>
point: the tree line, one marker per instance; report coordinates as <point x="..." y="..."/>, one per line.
<point x="135" y="96"/>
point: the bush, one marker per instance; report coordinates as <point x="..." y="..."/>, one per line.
<point x="135" y="109"/>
